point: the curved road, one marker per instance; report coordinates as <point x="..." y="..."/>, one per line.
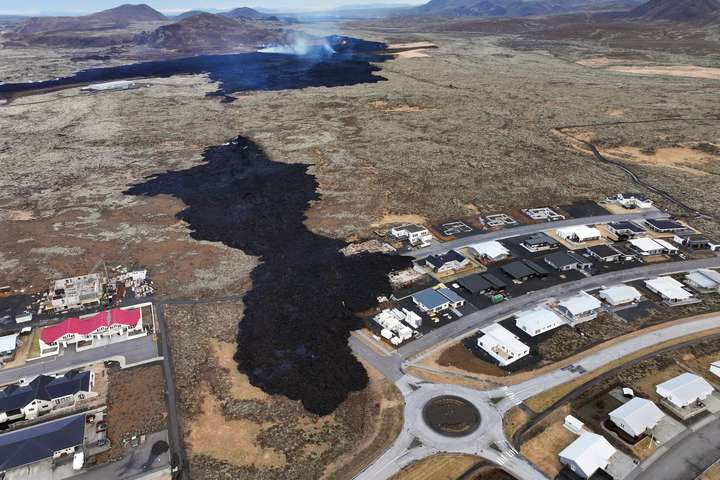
<point x="417" y="441"/>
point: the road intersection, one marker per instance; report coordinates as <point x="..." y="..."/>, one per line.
<point x="417" y="441"/>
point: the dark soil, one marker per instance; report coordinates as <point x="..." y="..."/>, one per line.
<point x="299" y="313"/>
<point x="237" y="72"/>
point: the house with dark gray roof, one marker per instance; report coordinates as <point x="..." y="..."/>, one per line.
<point x="447" y="262"/>
<point x="605" y="253"/>
<point x="568" y="261"/>
<point x="625" y="230"/>
<point x="49" y="440"/>
<point x="523" y="270"/>
<point x="44" y="394"/>
<point x="539" y="242"/>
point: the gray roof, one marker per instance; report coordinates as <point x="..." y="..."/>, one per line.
<point x="523" y="268"/>
<point x="604" y="251"/>
<point x="626" y="225"/>
<point x="563" y="259"/>
<point x="430" y="298"/>
<point x="539" y="239"/>
<point x="43" y="387"/>
<point x="32" y="444"/>
<point x="439" y="260"/>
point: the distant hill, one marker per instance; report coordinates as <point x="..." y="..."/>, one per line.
<point x="130" y="13"/>
<point x="107" y="19"/>
<point x="247" y="13"/>
<point x="207" y="31"/>
<point x="188" y="14"/>
<point x="518" y="8"/>
<point x="679" y="10"/>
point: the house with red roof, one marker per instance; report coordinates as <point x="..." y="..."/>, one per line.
<point x="90" y="331"/>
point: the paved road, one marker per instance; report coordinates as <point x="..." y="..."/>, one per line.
<point x="686" y="457"/>
<point x="139" y="350"/>
<point x="546" y="381"/>
<point x="534" y="228"/>
<point x="483" y="317"/>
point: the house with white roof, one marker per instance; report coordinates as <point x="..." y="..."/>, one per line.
<point x="715" y="368"/>
<point x="647" y="246"/>
<point x="580" y="308"/>
<point x="502" y="345"/>
<point x="579" y="233"/>
<point x="415" y="234"/>
<point x="705" y="280"/>
<point x="671" y="291"/>
<point x="620" y="295"/>
<point x="589" y="453"/>
<point x="493" y="251"/>
<point x="684" y="390"/>
<point x="537" y="321"/>
<point x="636" y="416"/>
<point x="8" y="345"/>
<point x="631" y="200"/>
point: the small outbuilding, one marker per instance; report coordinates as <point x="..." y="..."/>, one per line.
<point x="637" y="416"/>
<point x="589" y="453"/>
<point x="684" y="390"/>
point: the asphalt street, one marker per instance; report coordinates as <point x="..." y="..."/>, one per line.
<point x="136" y="351"/>
<point x="529" y="229"/>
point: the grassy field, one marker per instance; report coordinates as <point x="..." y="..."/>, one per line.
<point x="447" y="466"/>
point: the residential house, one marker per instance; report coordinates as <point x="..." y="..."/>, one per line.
<point x="670" y="290"/>
<point x="637" y="416"/>
<point x="580" y="308"/>
<point x="693" y="241"/>
<point x="75" y="292"/>
<point x="579" y="233"/>
<point x="491" y="251"/>
<point x="448" y="262"/>
<point x="684" y="390"/>
<point x="44" y="394"/>
<point x="589" y="453"/>
<point x="620" y="295"/>
<point x="501" y="344"/>
<point x="523" y="270"/>
<point x="415" y="234"/>
<point x="480" y="283"/>
<point x="437" y="299"/>
<point x="52" y="440"/>
<point x="662" y="225"/>
<point x="538" y="321"/>
<point x="539" y="242"/>
<point x="605" y="253"/>
<point x="85" y="332"/>
<point x="625" y="230"/>
<point x="705" y="280"/>
<point x="647" y="246"/>
<point x="567" y="260"/>
<point x="8" y="345"/>
<point x="631" y="200"/>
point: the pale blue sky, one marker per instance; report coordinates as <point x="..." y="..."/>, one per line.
<point x="35" y="7"/>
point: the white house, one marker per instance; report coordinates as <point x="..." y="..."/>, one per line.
<point x="493" y="251"/>
<point x="685" y="389"/>
<point x="636" y="416"/>
<point x="631" y="200"/>
<point x="704" y="279"/>
<point x="537" y="321"/>
<point x="415" y="234"/>
<point x="579" y="233"/>
<point x="8" y="344"/>
<point x="589" y="453"/>
<point x="580" y="308"/>
<point x="84" y="332"/>
<point x="646" y="246"/>
<point x="620" y="295"/>
<point x="502" y="345"/>
<point x="447" y="262"/>
<point x="75" y="292"/>
<point x="671" y="291"/>
<point x="44" y="394"/>
<point x="715" y="368"/>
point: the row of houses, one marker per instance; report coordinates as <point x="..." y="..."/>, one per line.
<point x="637" y="417"/>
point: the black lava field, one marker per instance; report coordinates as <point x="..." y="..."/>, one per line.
<point x="293" y="339"/>
<point x="350" y="65"/>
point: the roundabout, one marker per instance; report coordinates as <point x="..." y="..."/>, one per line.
<point x="451" y="416"/>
